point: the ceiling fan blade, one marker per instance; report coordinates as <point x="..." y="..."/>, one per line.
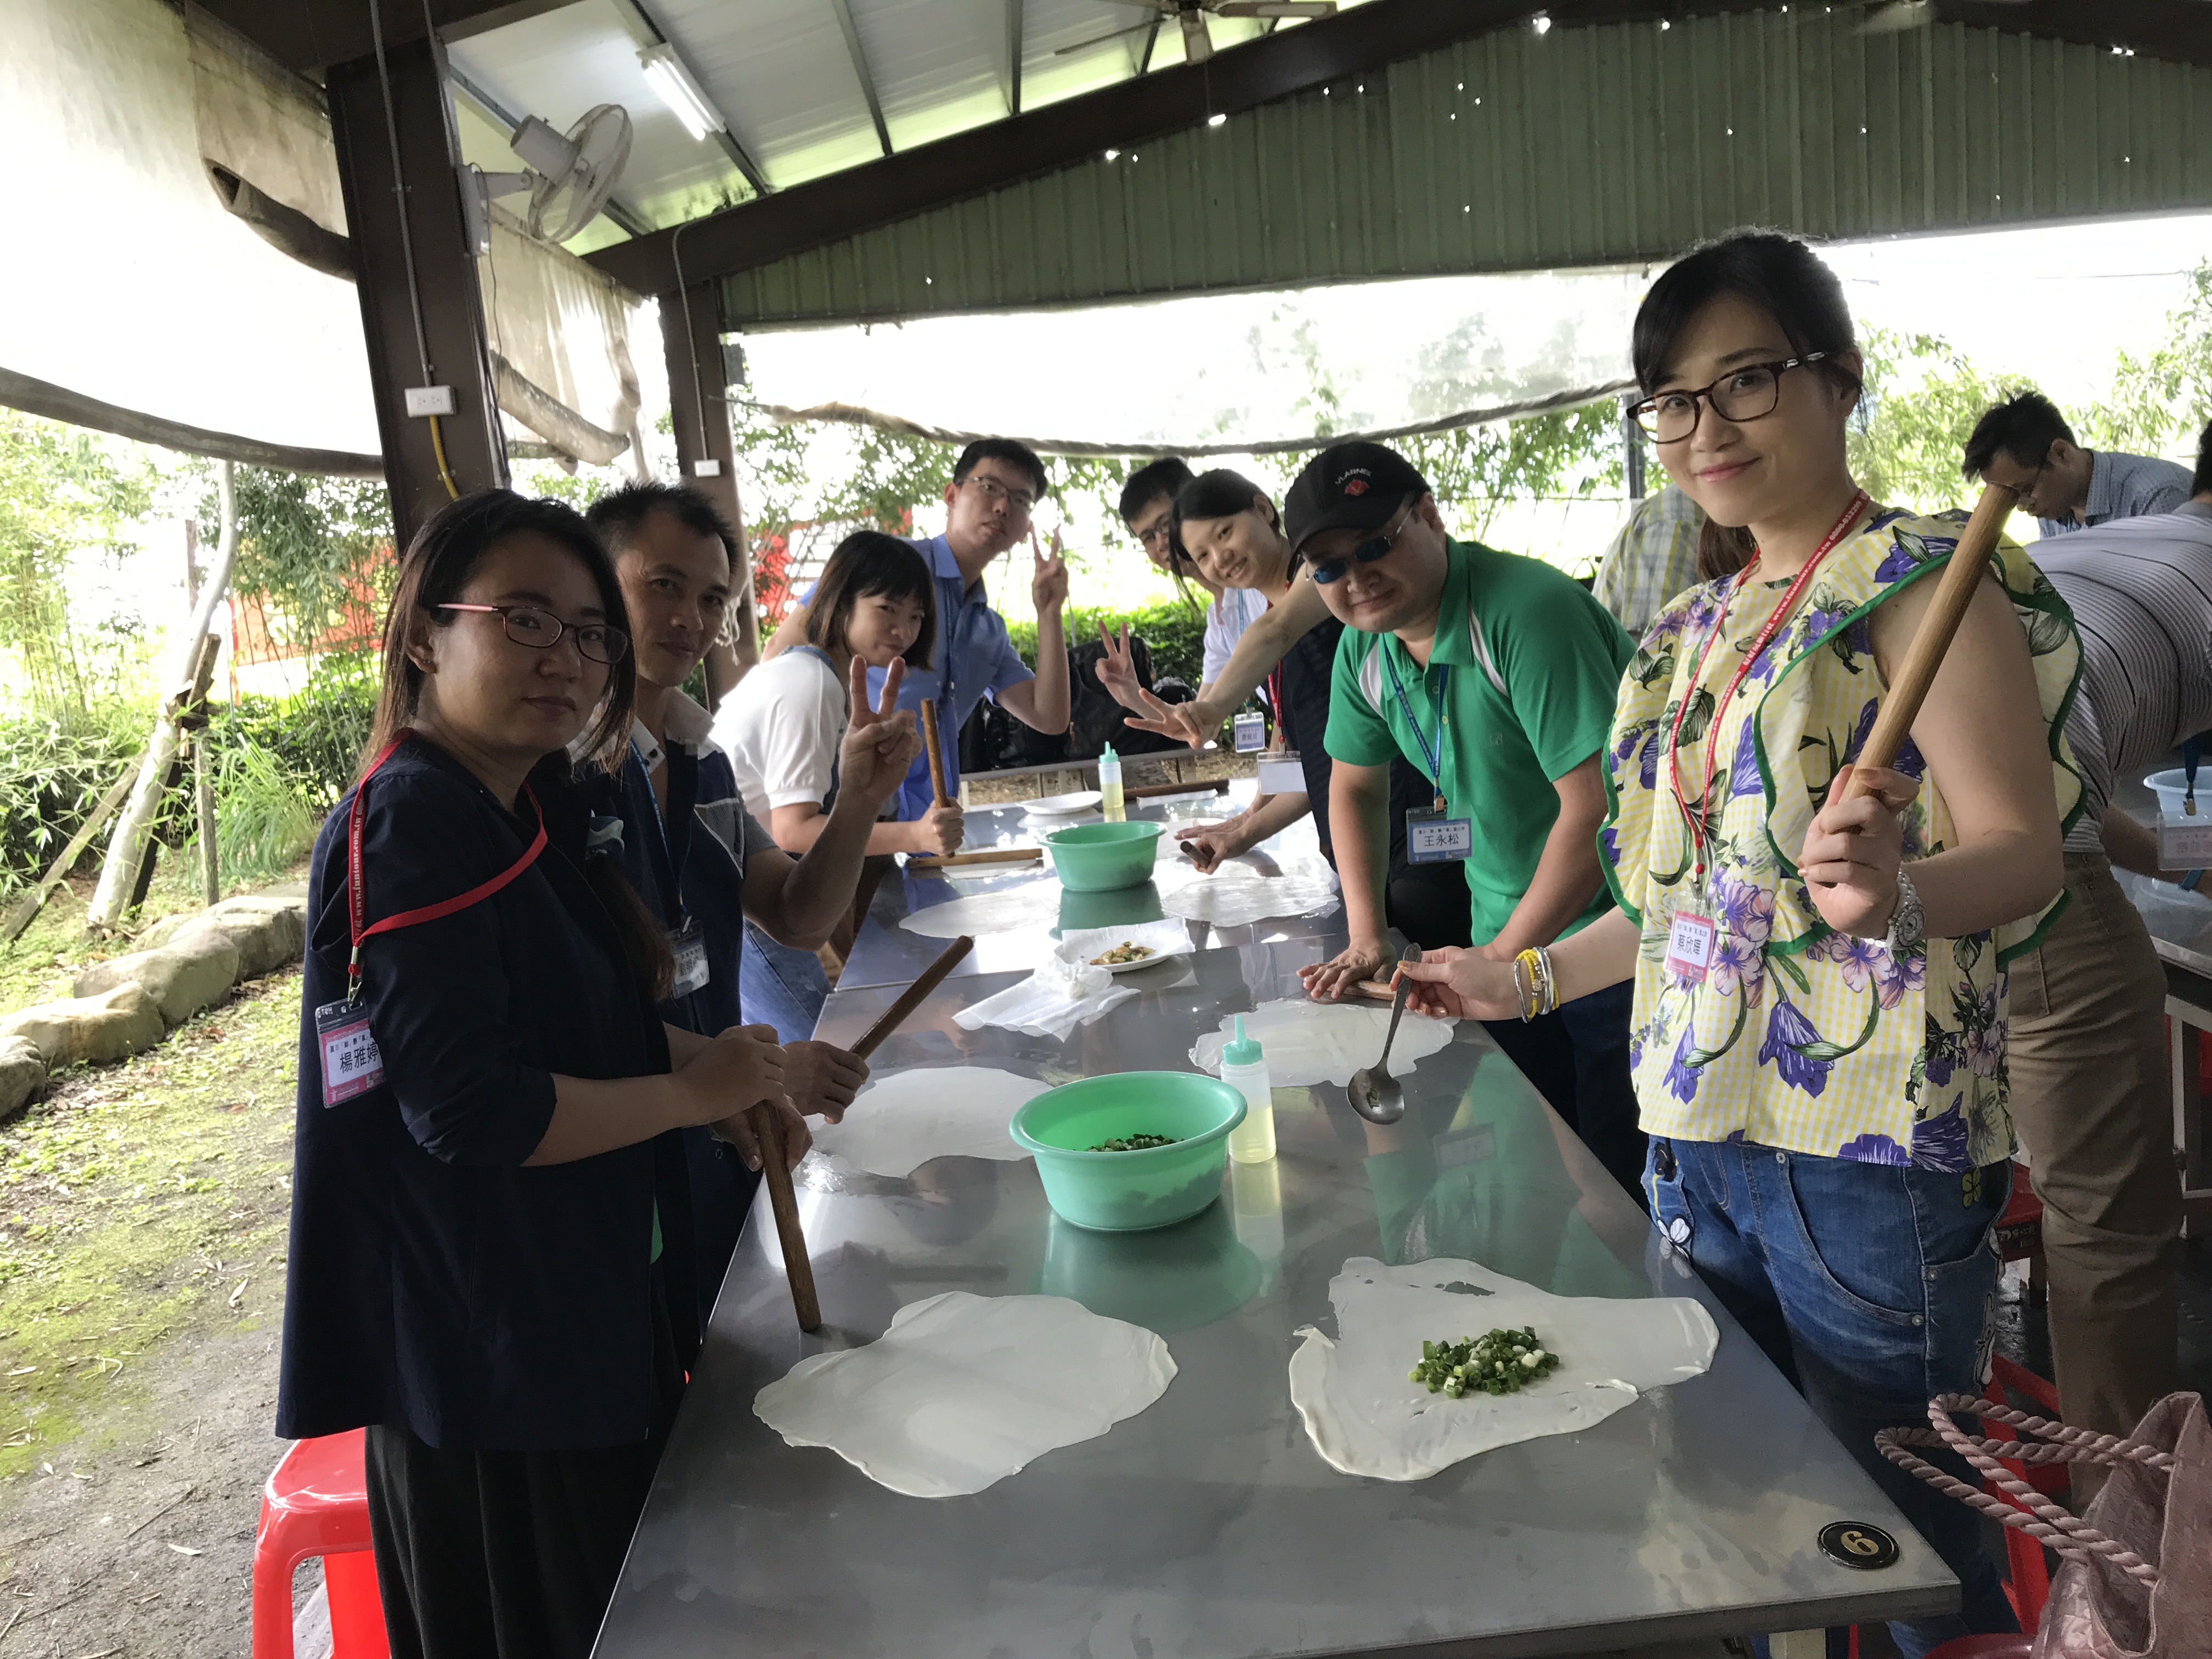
<point x="1197" y="44"/>
<point x="1101" y="39"/>
<point x="1275" y="9"/>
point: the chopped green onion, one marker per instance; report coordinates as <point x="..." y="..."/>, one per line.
<point x="1487" y="1363"/>
<point x="1135" y="1144"/>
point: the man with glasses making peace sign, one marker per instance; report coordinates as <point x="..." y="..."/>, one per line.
<point x="994" y="487"/>
<point x="1496" y="674"/>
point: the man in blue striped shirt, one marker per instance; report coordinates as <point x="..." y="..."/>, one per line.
<point x="2025" y="445"/>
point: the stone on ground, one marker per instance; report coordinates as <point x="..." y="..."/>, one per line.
<point x="195" y="970"/>
<point x="22" y="1068"/>
<point x="75" y="1030"/>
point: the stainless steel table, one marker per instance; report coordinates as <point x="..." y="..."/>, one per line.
<point x="1207" y="1528"/>
<point x="885" y="953"/>
<point x="2180" y="925"/>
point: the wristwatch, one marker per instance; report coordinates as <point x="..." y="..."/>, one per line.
<point x="1907" y="935"/>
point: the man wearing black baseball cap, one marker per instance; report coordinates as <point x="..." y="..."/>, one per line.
<point x="1495" y="675"/>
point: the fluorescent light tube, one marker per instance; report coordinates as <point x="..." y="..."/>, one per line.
<point x="668" y="76"/>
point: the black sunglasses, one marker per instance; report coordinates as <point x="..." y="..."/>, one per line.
<point x="1366" y="552"/>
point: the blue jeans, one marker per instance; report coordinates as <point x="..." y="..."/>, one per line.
<point x="1872" y="1288"/>
<point x="781" y="986"/>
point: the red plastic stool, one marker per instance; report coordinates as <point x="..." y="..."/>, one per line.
<point x="1984" y="1647"/>
<point x="2028" y="1572"/>
<point x="316" y="1503"/>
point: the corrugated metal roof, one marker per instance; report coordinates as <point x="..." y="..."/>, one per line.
<point x="779" y="72"/>
<point x="1521" y="151"/>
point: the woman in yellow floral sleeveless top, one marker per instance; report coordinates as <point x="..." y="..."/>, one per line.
<point x="1820" y="1014"/>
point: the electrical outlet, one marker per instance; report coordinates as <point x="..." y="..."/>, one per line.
<point x="430" y="400"/>
<point x="706" y="468"/>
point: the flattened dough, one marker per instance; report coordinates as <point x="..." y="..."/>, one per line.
<point x="1307" y="1041"/>
<point x="1366" y="1417"/>
<point x="898" y="1123"/>
<point x="1237" y="901"/>
<point x="1035" y="904"/>
<point x="964" y="1390"/>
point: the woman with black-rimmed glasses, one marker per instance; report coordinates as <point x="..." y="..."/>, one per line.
<point x="483" y="1164"/>
<point x="1820" y="986"/>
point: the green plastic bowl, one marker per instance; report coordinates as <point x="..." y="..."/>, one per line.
<point x="1097" y="858"/>
<point x="1128" y="1191"/>
<point x="1124" y="907"/>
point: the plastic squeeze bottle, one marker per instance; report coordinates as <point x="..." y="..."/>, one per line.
<point x="1109" y="785"/>
<point x="1244" y="1069"/>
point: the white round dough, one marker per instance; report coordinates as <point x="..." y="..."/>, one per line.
<point x="1238" y="900"/>
<point x="1307" y="1041"/>
<point x="963" y="1390"/>
<point x="1365" y="1416"/>
<point x="898" y="1123"/>
<point x="1035" y="904"/>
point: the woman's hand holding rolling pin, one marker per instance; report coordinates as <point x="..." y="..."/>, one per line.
<point x="739" y="1069"/>
<point x="820" y="1079"/>
<point x="1853" y="848"/>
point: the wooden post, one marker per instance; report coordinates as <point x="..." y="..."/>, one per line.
<point x="203" y="800"/>
<point x="120" y="875"/>
<point x="699" y="414"/>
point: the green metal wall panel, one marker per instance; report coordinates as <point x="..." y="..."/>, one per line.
<point x="1620" y="144"/>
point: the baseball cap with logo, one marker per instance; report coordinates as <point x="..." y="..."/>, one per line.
<point x="1355" y="485"/>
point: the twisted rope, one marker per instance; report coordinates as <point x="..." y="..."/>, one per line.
<point x="2028" y="1511"/>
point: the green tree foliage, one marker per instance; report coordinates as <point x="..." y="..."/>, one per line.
<point x="311" y="549"/>
<point x="1922" y="399"/>
<point x="2161" y="400"/>
<point x="61" y="492"/>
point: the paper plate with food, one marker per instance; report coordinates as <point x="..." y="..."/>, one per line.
<point x="1126" y="948"/>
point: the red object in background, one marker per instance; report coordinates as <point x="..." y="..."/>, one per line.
<point x="799" y="551"/>
<point x="316" y="1503"/>
<point x="2028" y="1570"/>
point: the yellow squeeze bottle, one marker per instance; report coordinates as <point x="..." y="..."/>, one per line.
<point x="1244" y="1069"/>
<point x="1109" y="786"/>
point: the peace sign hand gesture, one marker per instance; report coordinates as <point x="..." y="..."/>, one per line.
<point x="1048" y="582"/>
<point x="1117" y="669"/>
<point x="1191" y="723"/>
<point x="881" y="742"/>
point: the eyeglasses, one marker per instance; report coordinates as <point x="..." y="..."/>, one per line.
<point x="541" y="630"/>
<point x="1160" y="531"/>
<point x="992" y="491"/>
<point x="1366" y="552"/>
<point x="1748" y="393"/>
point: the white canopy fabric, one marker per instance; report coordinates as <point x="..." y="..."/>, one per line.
<point x="1224" y="373"/>
<point x="136" y="299"/>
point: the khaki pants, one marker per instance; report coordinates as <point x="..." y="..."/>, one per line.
<point x="2093" y="1103"/>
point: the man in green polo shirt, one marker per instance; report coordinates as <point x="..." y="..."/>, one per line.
<point x="1496" y="674"/>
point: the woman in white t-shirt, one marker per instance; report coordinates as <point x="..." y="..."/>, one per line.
<point x="781" y="724"/>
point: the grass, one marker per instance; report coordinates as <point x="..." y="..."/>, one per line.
<point x="135" y="1197"/>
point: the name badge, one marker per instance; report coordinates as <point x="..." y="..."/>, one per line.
<point x="1432" y="838"/>
<point x="1249" y="733"/>
<point x="351" y="1065"/>
<point x="1282" y="775"/>
<point x="2185" y="842"/>
<point x="1690" y="947"/>
<point x="690" y="945"/>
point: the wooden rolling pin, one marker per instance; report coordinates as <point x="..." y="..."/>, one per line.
<point x="782" y="1196"/>
<point x="1954" y="593"/>
<point x="783" y="1200"/>
<point x="935" y="745"/>
<point x="985" y="855"/>
<point x="1150" y="790"/>
<point x="911" y="998"/>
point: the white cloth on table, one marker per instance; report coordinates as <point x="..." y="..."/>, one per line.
<point x="1051" y="1002"/>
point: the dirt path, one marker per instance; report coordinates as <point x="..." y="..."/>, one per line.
<point x="143" y="1212"/>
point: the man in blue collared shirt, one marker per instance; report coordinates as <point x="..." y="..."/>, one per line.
<point x="994" y="487"/>
<point x="2025" y="445"/>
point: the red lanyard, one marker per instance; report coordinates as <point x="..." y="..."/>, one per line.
<point x="1697" y="819"/>
<point x="362" y="927"/>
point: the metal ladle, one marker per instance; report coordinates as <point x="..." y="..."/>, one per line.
<point x="1375" y="1094"/>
